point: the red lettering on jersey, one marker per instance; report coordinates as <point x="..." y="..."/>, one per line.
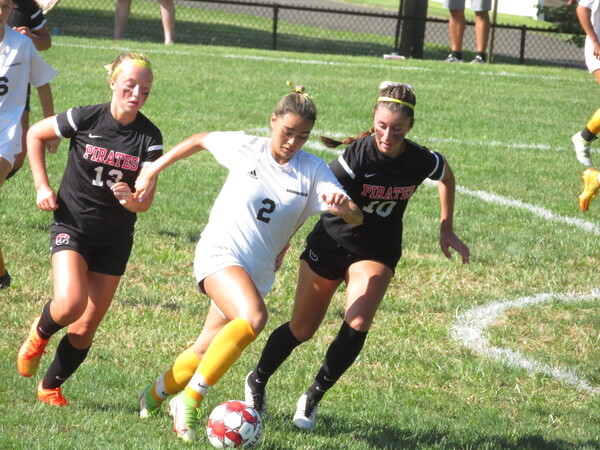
<point x="390" y="193"/>
<point x="100" y="154"/>
<point x="119" y="159"/>
<point x="89" y="150"/>
<point x="366" y="190"/>
<point x="110" y="158"/>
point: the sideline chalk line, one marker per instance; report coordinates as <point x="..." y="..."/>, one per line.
<point x="469" y="328"/>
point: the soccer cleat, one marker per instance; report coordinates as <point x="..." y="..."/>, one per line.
<point x="453" y="59"/>
<point x="256" y="398"/>
<point x="477" y="60"/>
<point x="185" y="416"/>
<point x="306" y="413"/>
<point x="51" y="396"/>
<point x="31" y="351"/>
<point x="582" y="149"/>
<point x="149" y="406"/>
<point x="5" y="281"/>
<point x="590" y="188"/>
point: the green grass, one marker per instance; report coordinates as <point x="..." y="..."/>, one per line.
<point x="505" y="131"/>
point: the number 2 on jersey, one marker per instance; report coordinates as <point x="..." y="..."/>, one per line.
<point x="115" y="175"/>
<point x="267" y="209"/>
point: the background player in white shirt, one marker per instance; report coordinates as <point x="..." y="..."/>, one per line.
<point x="588" y="12"/>
<point x="380" y="170"/>
<point x="20" y="64"/>
<point x="94" y="216"/>
<point x="272" y="188"/>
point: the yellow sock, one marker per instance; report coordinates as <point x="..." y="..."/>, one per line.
<point x="177" y="376"/>
<point x="2" y="268"/>
<point x="594" y="123"/>
<point x="225" y="348"/>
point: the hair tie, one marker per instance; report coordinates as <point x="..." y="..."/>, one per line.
<point x="395" y="100"/>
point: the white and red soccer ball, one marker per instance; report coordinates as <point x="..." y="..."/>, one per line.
<point x="234" y="424"/>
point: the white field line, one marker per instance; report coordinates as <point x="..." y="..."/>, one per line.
<point x="469" y="328"/>
<point x="404" y="66"/>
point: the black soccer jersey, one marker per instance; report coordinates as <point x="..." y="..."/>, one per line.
<point x="102" y="153"/>
<point x="27" y="14"/>
<point x="381" y="186"/>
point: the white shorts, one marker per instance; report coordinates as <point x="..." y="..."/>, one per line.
<point x="476" y="5"/>
<point x="591" y="61"/>
<point x="10" y="143"/>
<point x="212" y="258"/>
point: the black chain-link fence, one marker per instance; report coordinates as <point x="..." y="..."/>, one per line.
<point x="318" y="26"/>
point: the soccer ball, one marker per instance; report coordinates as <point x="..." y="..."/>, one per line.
<point x="234" y="424"/>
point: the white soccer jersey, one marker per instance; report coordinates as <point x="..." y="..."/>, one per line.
<point x="20" y="64"/>
<point x="260" y="206"/>
<point x="594" y="5"/>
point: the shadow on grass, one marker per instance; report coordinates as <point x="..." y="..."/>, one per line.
<point x="388" y="438"/>
<point x="90" y="24"/>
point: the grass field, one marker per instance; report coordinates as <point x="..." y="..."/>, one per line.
<point x="505" y="131"/>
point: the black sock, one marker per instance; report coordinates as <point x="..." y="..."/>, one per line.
<point x="66" y="361"/>
<point x="342" y="352"/>
<point x="279" y="346"/>
<point x="47" y="327"/>
<point x="457" y="55"/>
<point x="588" y="135"/>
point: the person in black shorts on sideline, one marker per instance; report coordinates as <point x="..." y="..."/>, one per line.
<point x="94" y="215"/>
<point x="27" y="19"/>
<point x="380" y="172"/>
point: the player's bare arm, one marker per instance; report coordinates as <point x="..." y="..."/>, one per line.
<point x="147" y="178"/>
<point x="37" y="137"/>
<point x="448" y="239"/>
<point x="342" y="206"/>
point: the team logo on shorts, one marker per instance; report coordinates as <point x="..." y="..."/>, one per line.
<point x="62" y="239"/>
<point x="313" y="255"/>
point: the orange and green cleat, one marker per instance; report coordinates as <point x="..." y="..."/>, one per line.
<point x="31" y="351"/>
<point x="51" y="396"/>
<point x="590" y="188"/>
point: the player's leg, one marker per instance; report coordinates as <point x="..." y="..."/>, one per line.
<point x="122" y="11"/>
<point x="69" y="271"/>
<point x="176" y="378"/>
<point x="456" y="28"/>
<point x="367" y="282"/>
<point x="582" y="141"/>
<point x="235" y="295"/>
<point x="167" y="13"/>
<point x="74" y="346"/>
<point x="591" y="185"/>
<point x="4" y="275"/>
<point x="313" y="296"/>
<point x="5" y="168"/>
<point x="482" y="33"/>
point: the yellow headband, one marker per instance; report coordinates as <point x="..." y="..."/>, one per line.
<point x="395" y="100"/>
<point x="135" y="62"/>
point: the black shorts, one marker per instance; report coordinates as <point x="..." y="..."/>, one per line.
<point x="330" y="260"/>
<point x="109" y="258"/>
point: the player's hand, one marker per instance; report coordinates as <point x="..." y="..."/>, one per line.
<point x="450" y="240"/>
<point x="46" y="199"/>
<point x="596" y="50"/>
<point x="52" y="146"/>
<point x="337" y="203"/>
<point x="143" y="184"/>
<point x="24" y="30"/>
<point x="279" y="259"/>
<point x="122" y="192"/>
